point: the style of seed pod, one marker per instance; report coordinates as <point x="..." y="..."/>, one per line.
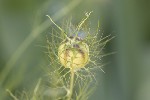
<point x="73" y="53"/>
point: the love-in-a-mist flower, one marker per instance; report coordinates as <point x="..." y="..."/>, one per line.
<point x="77" y="57"/>
<point x="73" y="52"/>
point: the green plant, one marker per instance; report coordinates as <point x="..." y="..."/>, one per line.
<point x="74" y="55"/>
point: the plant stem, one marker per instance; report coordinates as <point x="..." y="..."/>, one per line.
<point x="71" y="83"/>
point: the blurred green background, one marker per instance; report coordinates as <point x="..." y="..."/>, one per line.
<point x="23" y="29"/>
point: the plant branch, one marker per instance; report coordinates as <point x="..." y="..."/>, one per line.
<point x="71" y="83"/>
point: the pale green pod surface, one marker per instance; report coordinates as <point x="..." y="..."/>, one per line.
<point x="73" y="53"/>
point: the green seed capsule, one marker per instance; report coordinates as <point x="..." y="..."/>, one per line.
<point x="73" y="53"/>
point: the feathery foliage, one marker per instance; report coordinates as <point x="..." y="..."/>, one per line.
<point x="63" y="83"/>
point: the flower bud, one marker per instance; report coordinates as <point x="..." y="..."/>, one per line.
<point x="73" y="53"/>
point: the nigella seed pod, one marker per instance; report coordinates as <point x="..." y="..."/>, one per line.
<point x="73" y="53"/>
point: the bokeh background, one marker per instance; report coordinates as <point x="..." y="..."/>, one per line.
<point x="23" y="29"/>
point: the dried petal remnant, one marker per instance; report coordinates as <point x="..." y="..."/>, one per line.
<point x="73" y="53"/>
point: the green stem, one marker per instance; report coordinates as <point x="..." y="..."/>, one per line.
<point x="71" y="83"/>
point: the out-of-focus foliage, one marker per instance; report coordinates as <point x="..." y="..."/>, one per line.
<point x="23" y="29"/>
